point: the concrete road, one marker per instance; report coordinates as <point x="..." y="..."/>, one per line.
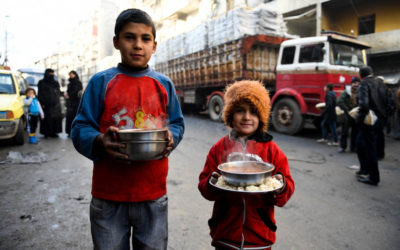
<point x="46" y="205"/>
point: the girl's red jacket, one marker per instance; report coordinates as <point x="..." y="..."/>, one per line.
<point x="226" y="223"/>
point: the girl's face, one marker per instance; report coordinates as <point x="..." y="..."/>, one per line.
<point x="245" y="119"/>
<point x="30" y="93"/>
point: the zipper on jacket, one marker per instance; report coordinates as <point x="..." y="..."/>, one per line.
<point x="244" y="220"/>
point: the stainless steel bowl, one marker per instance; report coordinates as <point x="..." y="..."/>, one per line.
<point x="144" y="150"/>
<point x="245" y="173"/>
<point x="142" y="135"/>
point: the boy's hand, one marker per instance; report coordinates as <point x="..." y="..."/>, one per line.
<point x="214" y="177"/>
<point x="108" y="143"/>
<point x="170" y="145"/>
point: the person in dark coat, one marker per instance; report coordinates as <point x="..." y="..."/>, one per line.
<point x="49" y="96"/>
<point x="347" y="101"/>
<point x="367" y="135"/>
<point x="386" y="105"/>
<point x="73" y="97"/>
<point x="328" y="116"/>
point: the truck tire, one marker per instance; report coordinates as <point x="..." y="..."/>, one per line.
<point x="215" y="107"/>
<point x="19" y="138"/>
<point x="286" y="117"/>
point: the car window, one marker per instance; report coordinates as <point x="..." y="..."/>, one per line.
<point x="6" y="84"/>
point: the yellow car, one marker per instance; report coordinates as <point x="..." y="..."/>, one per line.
<point x="12" y="117"/>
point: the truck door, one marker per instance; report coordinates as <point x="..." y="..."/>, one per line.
<point x="311" y="74"/>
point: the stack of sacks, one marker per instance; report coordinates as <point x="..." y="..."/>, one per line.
<point x="197" y="39"/>
<point x="241" y="22"/>
<point x="177" y="46"/>
<point x="162" y="51"/>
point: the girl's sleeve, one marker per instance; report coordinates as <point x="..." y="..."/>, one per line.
<point x="281" y="164"/>
<point x="207" y="191"/>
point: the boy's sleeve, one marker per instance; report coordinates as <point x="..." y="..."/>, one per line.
<point x="281" y="164"/>
<point x="175" y="118"/>
<point x="85" y="127"/>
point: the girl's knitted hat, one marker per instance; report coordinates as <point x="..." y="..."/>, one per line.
<point x="252" y="91"/>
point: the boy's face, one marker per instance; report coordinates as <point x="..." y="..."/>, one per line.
<point x="245" y="119"/>
<point x="136" y="44"/>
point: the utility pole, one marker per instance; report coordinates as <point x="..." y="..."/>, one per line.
<point x="318" y="17"/>
<point x="6" y="40"/>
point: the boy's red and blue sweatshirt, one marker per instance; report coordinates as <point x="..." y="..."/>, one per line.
<point x="127" y="99"/>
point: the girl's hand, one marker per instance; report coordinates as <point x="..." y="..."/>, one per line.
<point x="214" y="177"/>
<point x="280" y="178"/>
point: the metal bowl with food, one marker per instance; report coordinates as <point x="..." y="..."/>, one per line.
<point x="244" y="173"/>
<point x="125" y="135"/>
<point x="144" y="150"/>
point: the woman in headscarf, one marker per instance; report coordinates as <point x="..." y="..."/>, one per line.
<point x="49" y="96"/>
<point x="73" y="97"/>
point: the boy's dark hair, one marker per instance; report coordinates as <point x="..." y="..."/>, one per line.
<point x="29" y="89"/>
<point x="329" y="86"/>
<point x="134" y="16"/>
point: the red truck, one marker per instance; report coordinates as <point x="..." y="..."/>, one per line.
<point x="293" y="70"/>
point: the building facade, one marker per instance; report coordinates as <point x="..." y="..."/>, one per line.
<point x="377" y="23"/>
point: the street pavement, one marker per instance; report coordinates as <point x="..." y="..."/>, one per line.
<point x="46" y="205"/>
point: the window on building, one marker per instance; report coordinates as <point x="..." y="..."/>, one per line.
<point x="288" y="55"/>
<point x="366" y="25"/>
<point x="311" y="53"/>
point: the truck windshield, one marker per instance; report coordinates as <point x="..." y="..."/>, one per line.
<point x="341" y="54"/>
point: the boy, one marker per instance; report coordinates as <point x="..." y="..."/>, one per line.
<point x="245" y="220"/>
<point x="34" y="112"/>
<point x="128" y="196"/>
<point x="328" y="116"/>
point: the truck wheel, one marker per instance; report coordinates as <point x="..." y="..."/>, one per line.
<point x="19" y="137"/>
<point x="286" y="117"/>
<point x="215" y="107"/>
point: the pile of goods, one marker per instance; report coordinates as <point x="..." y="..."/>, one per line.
<point x="269" y="184"/>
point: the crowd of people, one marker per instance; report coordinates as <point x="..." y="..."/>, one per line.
<point x="45" y="106"/>
<point x="367" y="111"/>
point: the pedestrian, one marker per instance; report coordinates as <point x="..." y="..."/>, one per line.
<point x="128" y="197"/>
<point x="34" y="112"/>
<point x="328" y="117"/>
<point x="347" y="101"/>
<point x="241" y="220"/>
<point x="386" y="106"/>
<point x="366" y="138"/>
<point x="397" y="115"/>
<point x="73" y="97"/>
<point x="49" y="96"/>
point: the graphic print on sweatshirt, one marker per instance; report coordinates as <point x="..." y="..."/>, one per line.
<point x="134" y="102"/>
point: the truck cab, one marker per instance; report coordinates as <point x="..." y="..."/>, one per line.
<point x="305" y="66"/>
